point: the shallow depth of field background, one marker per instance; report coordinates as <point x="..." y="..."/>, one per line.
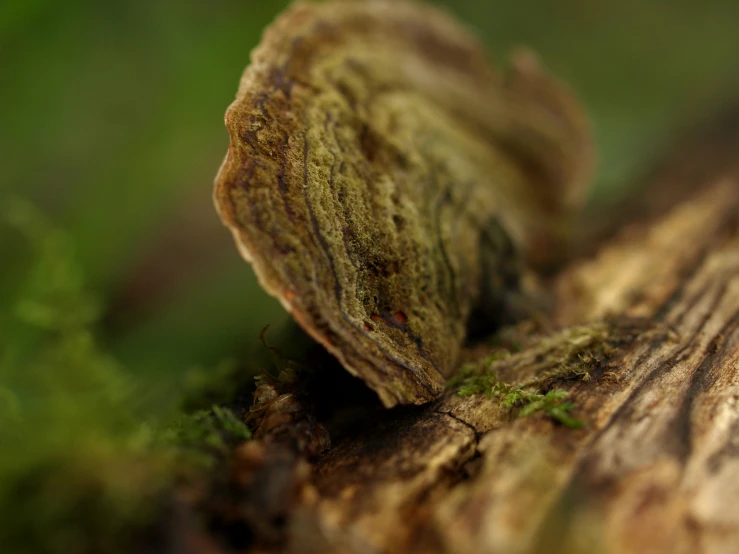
<point x="111" y="123"/>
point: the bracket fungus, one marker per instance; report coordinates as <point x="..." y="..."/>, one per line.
<point x="385" y="181"/>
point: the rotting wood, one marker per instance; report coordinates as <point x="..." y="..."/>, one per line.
<point x="655" y="470"/>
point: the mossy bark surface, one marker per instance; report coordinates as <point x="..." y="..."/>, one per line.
<point x="646" y="343"/>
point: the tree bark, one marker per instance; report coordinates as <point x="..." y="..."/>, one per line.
<point x="656" y="467"/>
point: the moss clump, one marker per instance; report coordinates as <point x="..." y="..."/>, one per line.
<point x="552" y="403"/>
<point x="523" y="377"/>
<point x="81" y="469"/>
<point x="79" y="472"/>
<point x="204" y="437"/>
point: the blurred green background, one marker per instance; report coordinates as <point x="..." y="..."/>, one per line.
<point x="111" y="122"/>
<point x="117" y="281"/>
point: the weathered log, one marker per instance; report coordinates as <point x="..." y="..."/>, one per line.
<point x="642" y="335"/>
<point x="655" y="312"/>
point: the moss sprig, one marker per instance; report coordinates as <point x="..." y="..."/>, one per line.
<point x="522" y="378"/>
<point x="552" y="403"/>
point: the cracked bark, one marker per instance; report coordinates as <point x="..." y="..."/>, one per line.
<point x="656" y="469"/>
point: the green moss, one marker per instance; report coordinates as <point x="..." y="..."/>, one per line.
<point x="522" y="377"/>
<point x="552" y="403"/>
<point x="204" y="437"/>
<point x="78" y="469"/>
<point x="81" y="470"/>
